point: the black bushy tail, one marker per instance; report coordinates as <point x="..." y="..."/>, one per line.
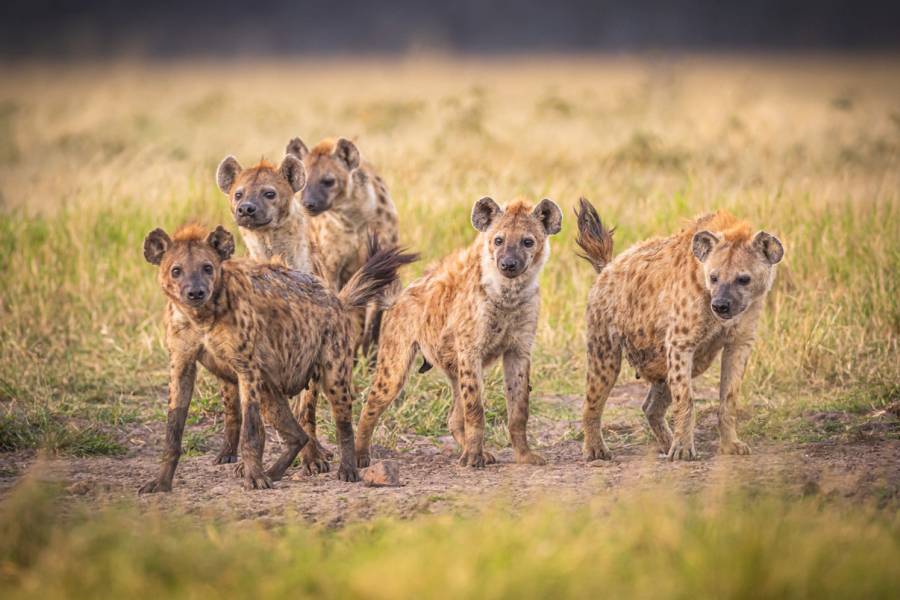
<point x="593" y="237"/>
<point x="379" y="272"/>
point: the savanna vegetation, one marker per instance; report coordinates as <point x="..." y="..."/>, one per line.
<point x="92" y="157"/>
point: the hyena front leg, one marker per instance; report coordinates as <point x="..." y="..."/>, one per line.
<point x="456" y="421"/>
<point x="516" y="369"/>
<point x="291" y="434"/>
<point x="253" y="435"/>
<point x="680" y="367"/>
<point x="655" y="407"/>
<point x="232" y="404"/>
<point x="470" y="392"/>
<point x="182" y="374"/>
<point x="734" y="361"/>
<point x="337" y="386"/>
<point x="604" y="361"/>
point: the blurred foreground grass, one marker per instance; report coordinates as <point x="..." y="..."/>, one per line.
<point x="94" y="156"/>
<point x="656" y="545"/>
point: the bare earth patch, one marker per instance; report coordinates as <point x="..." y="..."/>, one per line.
<point x="433" y="482"/>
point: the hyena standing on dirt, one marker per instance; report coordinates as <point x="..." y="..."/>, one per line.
<point x="672" y="304"/>
<point x="347" y="203"/>
<point x="264" y="327"/>
<point x="473" y="307"/>
<point x="273" y="225"/>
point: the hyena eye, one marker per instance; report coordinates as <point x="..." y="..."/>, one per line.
<point x="498" y="241"/>
<point x="238" y="195"/>
<point x="744" y="280"/>
<point x="528" y="242"/>
<point x="269" y="195"/>
<point x="208" y="269"/>
<point x="328" y="181"/>
<point x="713" y="278"/>
<point x="176" y="272"/>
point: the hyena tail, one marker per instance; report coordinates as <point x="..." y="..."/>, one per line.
<point x="375" y="276"/>
<point x="595" y="239"/>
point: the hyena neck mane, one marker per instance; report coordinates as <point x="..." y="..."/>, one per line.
<point x="289" y="241"/>
<point x="500" y="290"/>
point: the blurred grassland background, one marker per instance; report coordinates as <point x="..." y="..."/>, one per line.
<point x="93" y="157"/>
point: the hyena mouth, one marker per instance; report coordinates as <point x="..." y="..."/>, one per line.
<point x="252" y="223"/>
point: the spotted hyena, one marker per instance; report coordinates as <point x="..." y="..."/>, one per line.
<point x="346" y="203"/>
<point x="274" y="225"/>
<point x="266" y="329"/>
<point x="672" y="305"/>
<point x="470" y="309"/>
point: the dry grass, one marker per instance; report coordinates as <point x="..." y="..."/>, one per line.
<point x="93" y="157"/>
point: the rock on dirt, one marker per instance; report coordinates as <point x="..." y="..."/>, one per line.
<point x="384" y="473"/>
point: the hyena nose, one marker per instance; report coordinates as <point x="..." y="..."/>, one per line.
<point x="508" y="264"/>
<point x="246" y="210"/>
<point x="196" y="295"/>
<point x="721" y="306"/>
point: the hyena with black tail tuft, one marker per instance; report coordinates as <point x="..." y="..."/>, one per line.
<point x="671" y="305"/>
<point x="266" y="329"/>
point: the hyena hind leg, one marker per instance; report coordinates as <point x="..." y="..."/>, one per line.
<point x="291" y="433"/>
<point x="603" y="366"/>
<point x="655" y="407"/>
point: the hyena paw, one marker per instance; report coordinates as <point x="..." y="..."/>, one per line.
<point x="256" y="480"/>
<point x="476" y="460"/>
<point x="682" y="451"/>
<point x="734" y="447"/>
<point x="324" y="452"/>
<point x="348" y="473"/>
<point x="313" y="462"/>
<point x="596" y="452"/>
<point x="530" y="458"/>
<point x="225" y="456"/>
<point x="362" y="458"/>
<point x="155" y="485"/>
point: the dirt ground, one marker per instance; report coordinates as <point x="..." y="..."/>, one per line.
<point x="432" y="481"/>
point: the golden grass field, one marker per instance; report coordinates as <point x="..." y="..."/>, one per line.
<point x="93" y="156"/>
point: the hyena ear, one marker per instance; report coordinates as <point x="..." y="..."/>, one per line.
<point x="297" y="148"/>
<point x="703" y="243"/>
<point x="227" y="173"/>
<point x="484" y="212"/>
<point x="549" y="214"/>
<point x="222" y="242"/>
<point x="770" y="247"/>
<point x="293" y="170"/>
<point x="346" y="150"/>
<point x="155" y="245"/>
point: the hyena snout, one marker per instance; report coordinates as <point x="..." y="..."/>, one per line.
<point x="316" y="201"/>
<point x="510" y="264"/>
<point x="195" y="293"/>
<point x="246" y="209"/>
<point x="721" y="306"/>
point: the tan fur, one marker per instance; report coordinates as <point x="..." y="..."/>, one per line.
<point x="344" y="214"/>
<point x="264" y="329"/>
<point x="347" y="203"/>
<point x="276" y="231"/>
<point x="654" y="303"/>
<point x="463" y="315"/>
